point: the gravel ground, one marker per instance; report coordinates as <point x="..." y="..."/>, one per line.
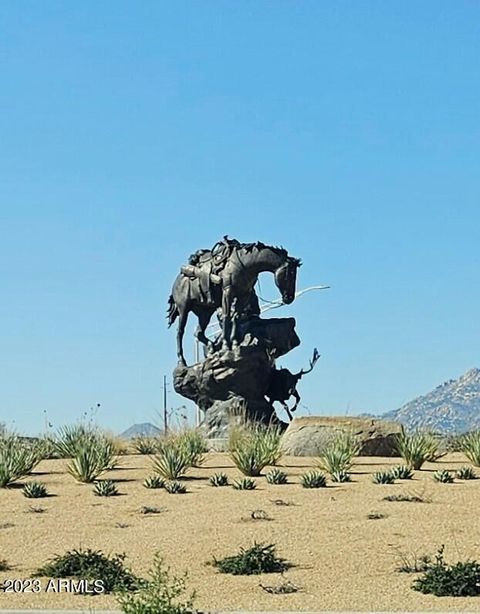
<point x="343" y="560"/>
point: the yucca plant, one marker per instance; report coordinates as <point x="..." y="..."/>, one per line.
<point x="417" y="448"/>
<point x="70" y="439"/>
<point x="244" y="484"/>
<point x="172" y="461"/>
<point x="470" y="446"/>
<point x="341" y="476"/>
<point x="276" y="476"/>
<point x="175" y="488"/>
<point x="17" y="459"/>
<point x="443" y="476"/>
<point x="34" y="490"/>
<point x="92" y="458"/>
<point x="253" y="447"/>
<point x="466" y="473"/>
<point x="313" y="479"/>
<point x="194" y="445"/>
<point x="154" y="481"/>
<point x="402" y="472"/>
<point x="105" y="488"/>
<point x="144" y="445"/>
<point x="218" y="479"/>
<point x="339" y="453"/>
<point x="383" y="477"/>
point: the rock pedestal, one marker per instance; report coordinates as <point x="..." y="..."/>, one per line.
<point x="231" y="382"/>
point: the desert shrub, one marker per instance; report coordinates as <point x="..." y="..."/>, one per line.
<point x="4" y="566"/>
<point x="253" y="447"/>
<point x="244" y="484"/>
<point x="470" y="446"/>
<point x="276" y="476"/>
<point x="258" y="559"/>
<point x="341" y="476"/>
<point x="46" y="448"/>
<point x="339" y="453"/>
<point x="408" y="498"/>
<point x="17" y="459"/>
<point x="92" y="458"/>
<point x="154" y="481"/>
<point x="175" y="488"/>
<point x="171" y="462"/>
<point x="92" y="565"/>
<point x="313" y="479"/>
<point x="105" y="488"/>
<point x="144" y="445"/>
<point x="466" y="473"/>
<point x="34" y="490"/>
<point x="284" y="588"/>
<point x="440" y="579"/>
<point x="443" y="476"/>
<point x="412" y="563"/>
<point x="402" y="472"/>
<point x="219" y="479"/>
<point x="383" y="477"/>
<point x="194" y="445"/>
<point x="375" y="516"/>
<point x="158" y="594"/>
<point x="417" y="448"/>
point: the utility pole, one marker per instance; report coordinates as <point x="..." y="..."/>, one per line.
<point x="165" y="418"/>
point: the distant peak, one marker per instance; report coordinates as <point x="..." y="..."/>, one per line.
<point x="471" y="374"/>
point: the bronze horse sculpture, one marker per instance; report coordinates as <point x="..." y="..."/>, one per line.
<point x="223" y="279"/>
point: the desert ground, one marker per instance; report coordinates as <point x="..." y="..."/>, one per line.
<point x="343" y="560"/>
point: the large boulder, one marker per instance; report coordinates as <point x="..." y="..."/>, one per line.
<point x="308" y="435"/>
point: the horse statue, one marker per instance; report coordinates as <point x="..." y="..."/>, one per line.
<point x="223" y="279"/>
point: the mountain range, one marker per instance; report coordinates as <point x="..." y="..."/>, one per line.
<point x="453" y="407"/>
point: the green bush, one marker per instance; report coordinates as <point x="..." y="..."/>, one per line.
<point x="313" y="479"/>
<point x="34" y="490"/>
<point x="194" y="445"/>
<point x="92" y="458"/>
<point x="105" y="488"/>
<point x="276" y="476"/>
<point x="158" y="595"/>
<point x="154" y="481"/>
<point x="244" y="484"/>
<point x="442" y="580"/>
<point x="253" y="447"/>
<point x="470" y="446"/>
<point x="443" y="476"/>
<point x="383" y="477"/>
<point x="219" y="479"/>
<point x="92" y="565"/>
<point x="172" y="461"/>
<point x="17" y="459"/>
<point x="417" y="448"/>
<point x="339" y="453"/>
<point x="258" y="559"/>
<point x="466" y="473"/>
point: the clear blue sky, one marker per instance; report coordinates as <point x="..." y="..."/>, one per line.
<point x="133" y="133"/>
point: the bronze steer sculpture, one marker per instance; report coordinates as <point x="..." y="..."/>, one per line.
<point x="283" y="385"/>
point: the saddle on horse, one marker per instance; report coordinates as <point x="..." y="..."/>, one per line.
<point x="206" y="265"/>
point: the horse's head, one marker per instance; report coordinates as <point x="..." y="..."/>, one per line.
<point x="286" y="279"/>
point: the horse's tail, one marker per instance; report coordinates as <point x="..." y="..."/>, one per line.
<point x="172" y="311"/>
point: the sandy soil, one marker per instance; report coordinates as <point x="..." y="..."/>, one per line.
<point x="343" y="560"/>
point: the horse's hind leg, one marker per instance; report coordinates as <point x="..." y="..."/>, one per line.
<point x="203" y="321"/>
<point x="182" y="322"/>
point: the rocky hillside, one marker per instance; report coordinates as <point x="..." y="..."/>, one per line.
<point x="453" y="407"/>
